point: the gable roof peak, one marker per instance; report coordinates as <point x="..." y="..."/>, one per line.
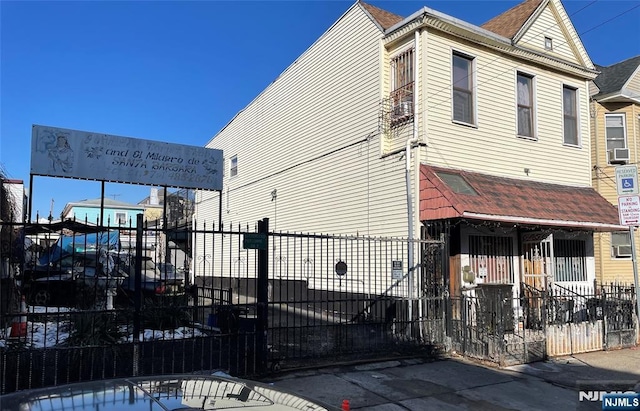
<point x="509" y="23"/>
<point x="385" y="19"/>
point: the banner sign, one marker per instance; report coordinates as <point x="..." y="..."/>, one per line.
<point x="59" y="152"/>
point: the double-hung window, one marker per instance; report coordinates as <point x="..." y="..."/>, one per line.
<point x="570" y="113"/>
<point x="526" y="110"/>
<point x="233" y="167"/>
<point x="615" y="131"/>
<point x="463" y="89"/>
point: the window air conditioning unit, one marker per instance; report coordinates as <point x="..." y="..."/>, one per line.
<point x="619" y="155"/>
<point x="623" y="251"/>
<point x="402" y="109"/>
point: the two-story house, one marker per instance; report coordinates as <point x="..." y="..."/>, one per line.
<point x="404" y="126"/>
<point x="615" y="130"/>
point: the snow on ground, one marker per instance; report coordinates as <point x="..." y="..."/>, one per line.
<point x="56" y="332"/>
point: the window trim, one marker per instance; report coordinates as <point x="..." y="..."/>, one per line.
<point x="533" y="107"/>
<point x="473" y="90"/>
<point x="624" y="130"/>
<point x="576" y="90"/>
<point x="548" y="43"/>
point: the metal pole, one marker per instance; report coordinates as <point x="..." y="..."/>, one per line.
<point x="102" y="205"/>
<point x="263" y="297"/>
<point x="635" y="272"/>
<point x="220" y="211"/>
<point x="137" y="293"/>
<point x="30" y="196"/>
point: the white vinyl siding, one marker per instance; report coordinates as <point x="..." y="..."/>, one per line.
<point x="314" y="138"/>
<point x="453" y="146"/>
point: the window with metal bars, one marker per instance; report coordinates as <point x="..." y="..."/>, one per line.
<point x="570" y="260"/>
<point x="491" y="258"/>
<point x="402" y="66"/>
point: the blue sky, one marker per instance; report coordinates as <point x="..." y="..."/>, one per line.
<point x="179" y="71"/>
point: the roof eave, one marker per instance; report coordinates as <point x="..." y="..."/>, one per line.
<point x="440" y="21"/>
<point x="618" y="97"/>
<point x="546" y="222"/>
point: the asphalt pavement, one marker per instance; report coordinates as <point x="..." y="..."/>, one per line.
<point x="456" y="383"/>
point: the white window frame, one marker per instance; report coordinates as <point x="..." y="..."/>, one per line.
<point x="548" y="43"/>
<point x="233" y="166"/>
<point x="534" y="108"/>
<point x="576" y="90"/>
<point x="473" y="88"/>
<point x="624" y="130"/>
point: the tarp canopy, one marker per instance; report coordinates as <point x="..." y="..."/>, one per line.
<point x="88" y="244"/>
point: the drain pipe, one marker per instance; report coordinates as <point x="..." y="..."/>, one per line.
<point x="410" y="142"/>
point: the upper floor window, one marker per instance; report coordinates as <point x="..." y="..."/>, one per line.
<point x="233" y="166"/>
<point x="570" y="113"/>
<point x="548" y="43"/>
<point x="615" y="133"/>
<point x="525" y="105"/>
<point x="402" y="71"/>
<point x="463" y="89"/>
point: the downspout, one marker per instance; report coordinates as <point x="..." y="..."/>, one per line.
<point x="596" y="168"/>
<point x="410" y="142"/>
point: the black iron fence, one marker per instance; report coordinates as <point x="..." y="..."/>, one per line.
<point x="492" y="325"/>
<point x="83" y="302"/>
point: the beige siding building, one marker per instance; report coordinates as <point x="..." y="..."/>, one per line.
<point x="615" y="131"/>
<point x="420" y="125"/>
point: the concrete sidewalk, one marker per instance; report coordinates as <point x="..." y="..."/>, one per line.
<point x="462" y="384"/>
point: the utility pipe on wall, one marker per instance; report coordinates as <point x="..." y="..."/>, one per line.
<point x="410" y="142"/>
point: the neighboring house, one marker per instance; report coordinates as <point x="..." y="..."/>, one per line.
<point x="391" y="126"/>
<point x="615" y="131"/>
<point x="114" y="213"/>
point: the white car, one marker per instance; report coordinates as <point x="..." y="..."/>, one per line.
<point x="173" y="392"/>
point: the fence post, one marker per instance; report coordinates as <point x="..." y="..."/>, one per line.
<point x="605" y="325"/>
<point x="263" y="298"/>
<point x="137" y="294"/>
<point x="465" y="326"/>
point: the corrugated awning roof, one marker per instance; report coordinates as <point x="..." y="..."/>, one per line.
<point x="485" y="197"/>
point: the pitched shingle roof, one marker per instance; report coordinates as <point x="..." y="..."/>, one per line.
<point x="613" y="77"/>
<point x="515" y="200"/>
<point x="508" y="23"/>
<point x="384" y="18"/>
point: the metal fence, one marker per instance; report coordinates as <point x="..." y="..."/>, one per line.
<point x="249" y="301"/>
<point x="494" y="326"/>
<point x="78" y="305"/>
